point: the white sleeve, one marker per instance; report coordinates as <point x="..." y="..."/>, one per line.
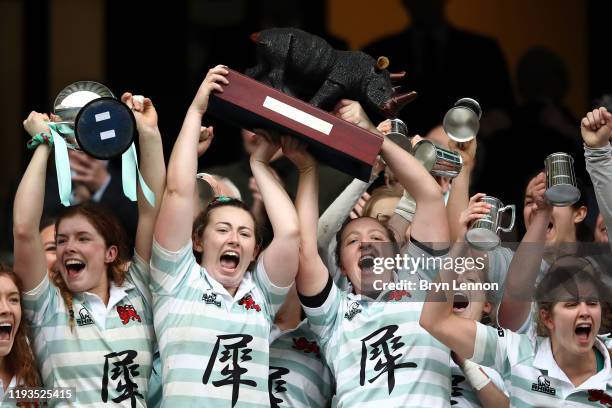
<point x="331" y="220"/>
<point x="599" y="166"/>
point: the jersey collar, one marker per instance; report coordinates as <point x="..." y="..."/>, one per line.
<point x="544" y="360"/>
<point x="246" y="285"/>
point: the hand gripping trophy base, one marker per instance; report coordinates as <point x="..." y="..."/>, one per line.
<point x="250" y="104"/>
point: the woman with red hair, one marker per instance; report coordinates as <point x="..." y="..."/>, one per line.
<point x="92" y="330"/>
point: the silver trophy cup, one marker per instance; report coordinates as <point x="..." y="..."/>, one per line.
<point x="438" y="160"/>
<point x="462" y="122"/>
<point x="69" y="102"/>
<point x="399" y="135"/>
<point x="561" y="186"/>
<point x="482" y="233"/>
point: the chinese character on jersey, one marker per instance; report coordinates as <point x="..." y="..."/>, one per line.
<point x="456" y="389"/>
<point x="234" y="352"/>
<point x="276" y="385"/>
<point x="382" y="347"/>
<point x="124" y="369"/>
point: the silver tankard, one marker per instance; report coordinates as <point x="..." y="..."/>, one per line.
<point x="399" y="135"/>
<point x="462" y="122"/>
<point x="561" y="186"/>
<point x="482" y="233"/>
<point x="438" y="160"/>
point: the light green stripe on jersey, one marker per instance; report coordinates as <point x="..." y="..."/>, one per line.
<point x="531" y="373"/>
<point x="214" y="347"/>
<point x="299" y="377"/>
<point x="109" y="365"/>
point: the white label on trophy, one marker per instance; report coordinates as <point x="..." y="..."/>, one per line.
<point x="107" y="134"/>
<point x="297" y="115"/>
<point x="102" y="116"/>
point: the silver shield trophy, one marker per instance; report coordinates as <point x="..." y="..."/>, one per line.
<point x="70" y="101"/>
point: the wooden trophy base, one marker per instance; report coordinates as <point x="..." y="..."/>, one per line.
<point x="249" y="104"/>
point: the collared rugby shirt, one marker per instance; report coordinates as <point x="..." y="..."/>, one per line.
<point x="214" y="347"/>
<point x="533" y="377"/>
<point x="109" y="363"/>
<point x="377" y="351"/>
<point x="299" y="377"/>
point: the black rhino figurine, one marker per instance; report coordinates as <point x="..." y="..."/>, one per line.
<point x="306" y="66"/>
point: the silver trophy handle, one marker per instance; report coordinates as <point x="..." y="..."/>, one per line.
<point x="511" y="207"/>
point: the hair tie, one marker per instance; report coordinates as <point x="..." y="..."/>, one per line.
<point x="40" y="138"/>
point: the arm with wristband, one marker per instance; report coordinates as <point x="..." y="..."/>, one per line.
<point x="30" y="264"/>
<point x="487" y="392"/>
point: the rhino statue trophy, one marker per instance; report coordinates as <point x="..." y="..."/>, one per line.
<point x="307" y="67"/>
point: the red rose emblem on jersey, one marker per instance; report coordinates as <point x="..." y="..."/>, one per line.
<point x="249" y="303"/>
<point x="127" y="313"/>
<point x="306" y="346"/>
<point x="398" y="295"/>
<point x="601" y="396"/>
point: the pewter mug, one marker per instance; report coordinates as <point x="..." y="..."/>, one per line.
<point x="438" y="160"/>
<point x="399" y="135"/>
<point x="462" y="122"/>
<point x="561" y="187"/>
<point x="483" y="232"/>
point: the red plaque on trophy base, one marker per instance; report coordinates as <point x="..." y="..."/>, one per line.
<point x="249" y="104"/>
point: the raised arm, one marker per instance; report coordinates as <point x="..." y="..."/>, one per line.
<point x="525" y="265"/>
<point x="313" y="275"/>
<point x="153" y="169"/>
<point x="460" y="191"/>
<point x="437" y="317"/>
<point x="30" y="264"/>
<point x="281" y="256"/>
<point x="596" y="129"/>
<point x="331" y="220"/>
<point x="173" y="226"/>
<point x="430" y="222"/>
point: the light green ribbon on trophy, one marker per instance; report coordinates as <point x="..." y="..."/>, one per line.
<point x="129" y="168"/>
<point x="62" y="163"/>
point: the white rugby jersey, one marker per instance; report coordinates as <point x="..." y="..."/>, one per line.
<point x="607" y="340"/>
<point x="299" y="377"/>
<point x="214" y="347"/>
<point x="109" y="363"/>
<point x="533" y="377"/>
<point x="377" y="350"/>
<point x="12" y="384"/>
